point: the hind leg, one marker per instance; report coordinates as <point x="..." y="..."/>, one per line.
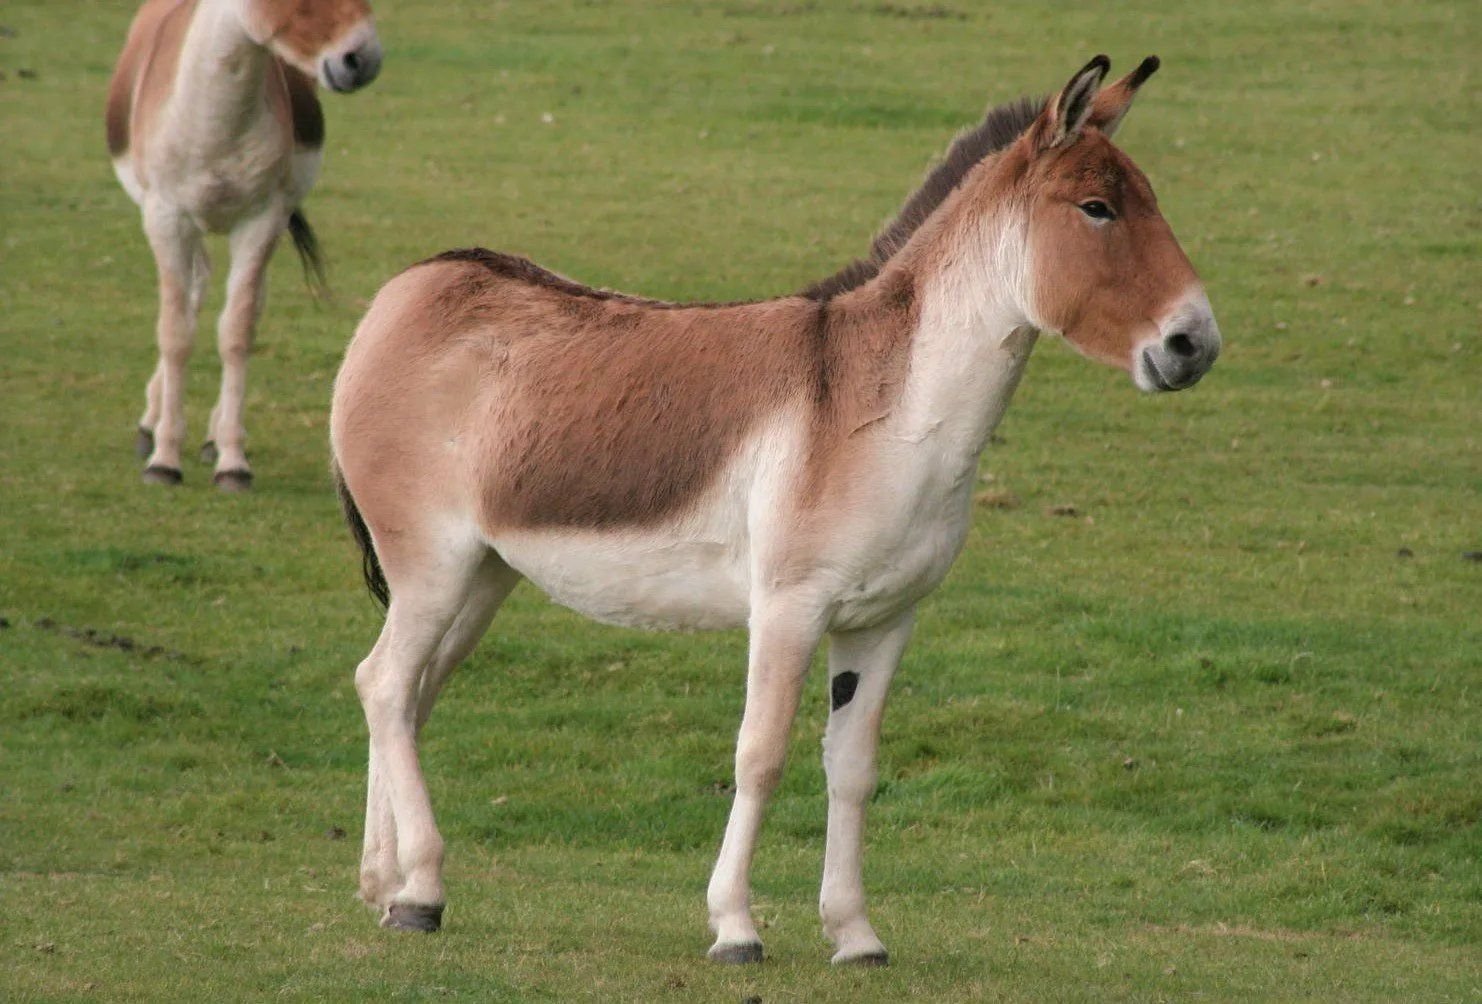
<point x="385" y="879"/>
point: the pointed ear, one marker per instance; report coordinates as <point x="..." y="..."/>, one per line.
<point x="1114" y="100"/>
<point x="1067" y="112"/>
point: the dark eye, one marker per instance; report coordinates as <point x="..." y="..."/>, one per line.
<point x="1098" y="210"/>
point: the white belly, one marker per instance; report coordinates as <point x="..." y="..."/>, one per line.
<point x="636" y="578"/>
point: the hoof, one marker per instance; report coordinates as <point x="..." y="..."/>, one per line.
<point x="411" y="917"/>
<point x="155" y="475"/>
<point x="736" y="955"/>
<point x="143" y="443"/>
<point x="868" y="960"/>
<point x="233" y="481"/>
<point x="208" y="452"/>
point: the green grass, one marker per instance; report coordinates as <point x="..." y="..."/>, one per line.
<point x="1215" y="736"/>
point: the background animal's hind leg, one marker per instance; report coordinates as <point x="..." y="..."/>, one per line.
<point x="252" y="244"/>
<point x="380" y="876"/>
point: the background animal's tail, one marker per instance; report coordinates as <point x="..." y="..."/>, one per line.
<point x="307" y="246"/>
<point x="370" y="565"/>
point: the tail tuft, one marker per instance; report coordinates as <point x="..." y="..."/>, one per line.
<point x="370" y="565"/>
<point x="309" y="252"/>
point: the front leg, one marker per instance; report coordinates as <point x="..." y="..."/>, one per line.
<point x="180" y="260"/>
<point x="860" y="667"/>
<point x="252" y="245"/>
<point x="783" y="637"/>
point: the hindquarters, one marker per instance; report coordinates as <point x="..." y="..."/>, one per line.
<point x="396" y="432"/>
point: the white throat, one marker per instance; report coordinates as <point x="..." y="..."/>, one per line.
<point x="219" y="82"/>
<point x="971" y="344"/>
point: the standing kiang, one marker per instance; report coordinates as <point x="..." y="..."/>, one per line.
<point x="801" y="466"/>
<point x="214" y="126"/>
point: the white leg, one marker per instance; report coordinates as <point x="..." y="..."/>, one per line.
<point x="782" y="642"/>
<point x="252" y="243"/>
<point x="380" y="875"/>
<point x="492" y="586"/>
<point x="422" y="610"/>
<point x="860" y="667"/>
<point x="177" y="248"/>
<point x="200" y="276"/>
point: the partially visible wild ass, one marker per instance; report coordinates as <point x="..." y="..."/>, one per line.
<point x="803" y="466"/>
<point x="214" y="127"/>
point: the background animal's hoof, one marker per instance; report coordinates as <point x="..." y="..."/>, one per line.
<point x="156" y="475"/>
<point x="411" y="917"/>
<point x="736" y="955"/>
<point x="233" y="481"/>
<point x="208" y="452"/>
<point x="143" y="443"/>
<point x="867" y="960"/>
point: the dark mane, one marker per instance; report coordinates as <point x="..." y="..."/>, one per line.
<point x="999" y="128"/>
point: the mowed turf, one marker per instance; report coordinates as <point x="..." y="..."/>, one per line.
<point x="1195" y="716"/>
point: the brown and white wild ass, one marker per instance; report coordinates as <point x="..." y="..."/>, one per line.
<point x="214" y="127"/>
<point x="802" y="466"/>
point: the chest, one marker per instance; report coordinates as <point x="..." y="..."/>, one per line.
<point x="903" y="535"/>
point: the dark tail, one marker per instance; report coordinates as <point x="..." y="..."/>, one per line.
<point x="370" y="565"/>
<point x="307" y="246"/>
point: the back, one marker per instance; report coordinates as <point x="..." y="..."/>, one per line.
<point x="586" y="409"/>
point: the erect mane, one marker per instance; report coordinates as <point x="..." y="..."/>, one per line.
<point x="999" y="128"/>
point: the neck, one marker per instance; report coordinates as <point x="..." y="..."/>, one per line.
<point x="219" y="84"/>
<point x="972" y="339"/>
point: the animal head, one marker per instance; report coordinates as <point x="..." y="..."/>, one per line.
<point x="333" y="41"/>
<point x="1104" y="269"/>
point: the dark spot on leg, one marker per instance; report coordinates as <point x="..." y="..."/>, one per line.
<point x="842" y="689"/>
<point x="143" y="443"/>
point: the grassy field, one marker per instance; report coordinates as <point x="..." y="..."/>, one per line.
<point x="1211" y="732"/>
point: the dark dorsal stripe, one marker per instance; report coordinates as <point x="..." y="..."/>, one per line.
<point x="521" y="269"/>
<point x="999" y="128"/>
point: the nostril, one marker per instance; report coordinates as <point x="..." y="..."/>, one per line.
<point x="1181" y="345"/>
<point x="352" y="61"/>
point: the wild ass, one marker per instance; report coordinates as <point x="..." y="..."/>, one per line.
<point x="214" y="127"/>
<point x="802" y="466"/>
